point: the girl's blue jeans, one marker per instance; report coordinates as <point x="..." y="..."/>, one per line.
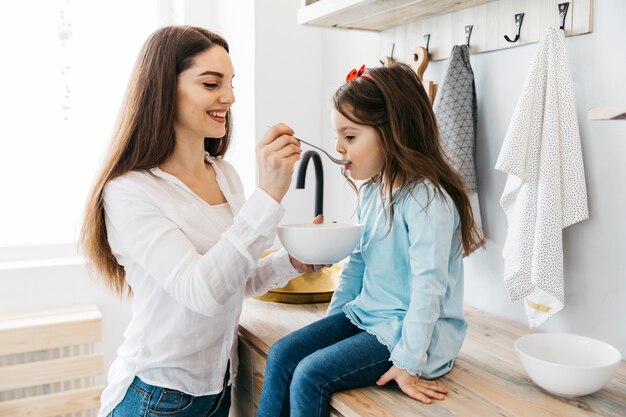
<point x="304" y="368"/>
<point x="145" y="400"/>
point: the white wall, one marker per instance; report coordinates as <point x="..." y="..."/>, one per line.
<point x="595" y="264"/>
<point x="288" y="75"/>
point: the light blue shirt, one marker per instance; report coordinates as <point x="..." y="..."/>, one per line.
<point x="406" y="287"/>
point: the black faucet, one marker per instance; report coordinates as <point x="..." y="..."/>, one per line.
<point x="319" y="178"/>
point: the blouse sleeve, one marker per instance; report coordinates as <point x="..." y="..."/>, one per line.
<point x="278" y="266"/>
<point x="431" y="232"/>
<point x="201" y="281"/>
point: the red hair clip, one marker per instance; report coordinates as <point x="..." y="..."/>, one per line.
<point x="354" y="73"/>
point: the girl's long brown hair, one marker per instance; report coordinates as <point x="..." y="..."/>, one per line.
<point x="144" y="136"/>
<point x="392" y="100"/>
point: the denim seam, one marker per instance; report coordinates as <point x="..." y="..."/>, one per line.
<point x="287" y="386"/>
<point x="319" y="406"/>
<point x="164" y="392"/>
<point x="147" y="396"/>
<point x="218" y="403"/>
<point x="145" y="414"/>
<point x="139" y="390"/>
<point x="169" y="413"/>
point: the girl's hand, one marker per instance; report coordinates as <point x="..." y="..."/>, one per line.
<point x="302" y="267"/>
<point x="277" y="153"/>
<point x="414" y="386"/>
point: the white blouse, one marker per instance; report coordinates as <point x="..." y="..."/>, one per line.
<point x="189" y="268"/>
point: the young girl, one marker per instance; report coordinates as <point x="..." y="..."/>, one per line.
<point x="397" y="312"/>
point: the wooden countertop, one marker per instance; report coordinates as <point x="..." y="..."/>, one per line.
<point x="487" y="379"/>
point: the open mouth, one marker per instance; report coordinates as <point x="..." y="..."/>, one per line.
<point x="218" y="116"/>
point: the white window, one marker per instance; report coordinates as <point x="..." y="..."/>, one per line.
<point x="65" y="67"/>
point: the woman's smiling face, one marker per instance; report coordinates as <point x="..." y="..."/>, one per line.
<point x="361" y="145"/>
<point x="204" y="94"/>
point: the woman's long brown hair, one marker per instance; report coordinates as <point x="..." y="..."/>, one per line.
<point x="144" y="136"/>
<point x="392" y="100"/>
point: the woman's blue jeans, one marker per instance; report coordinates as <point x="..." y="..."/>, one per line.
<point x="145" y="400"/>
<point x="304" y="368"/>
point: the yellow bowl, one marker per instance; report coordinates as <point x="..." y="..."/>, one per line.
<point x="312" y="287"/>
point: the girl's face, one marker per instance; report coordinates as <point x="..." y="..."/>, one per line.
<point x="204" y="93"/>
<point x="360" y="145"/>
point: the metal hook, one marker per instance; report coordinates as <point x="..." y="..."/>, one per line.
<point x="563" y="12"/>
<point x="393" y="46"/>
<point x="427" y="40"/>
<point x="518" y="26"/>
<point x="468" y="33"/>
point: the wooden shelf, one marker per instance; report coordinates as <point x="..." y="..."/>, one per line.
<point x="404" y="22"/>
<point x="376" y="15"/>
<point x="607" y="113"/>
<point x="487" y="380"/>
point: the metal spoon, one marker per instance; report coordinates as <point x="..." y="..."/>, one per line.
<point x="332" y="158"/>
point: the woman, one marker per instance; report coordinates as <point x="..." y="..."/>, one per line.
<point x="168" y="222"/>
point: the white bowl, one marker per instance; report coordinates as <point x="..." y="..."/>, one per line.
<point x="326" y="243"/>
<point x="566" y="364"/>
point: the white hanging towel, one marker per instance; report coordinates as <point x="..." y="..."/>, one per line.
<point x="545" y="190"/>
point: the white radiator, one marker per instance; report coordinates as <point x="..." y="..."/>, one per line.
<point x="48" y="363"/>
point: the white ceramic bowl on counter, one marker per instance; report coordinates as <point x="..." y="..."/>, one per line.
<point x="326" y="243"/>
<point x="567" y="365"/>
